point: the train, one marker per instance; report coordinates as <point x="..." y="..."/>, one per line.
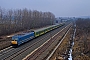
<point x="23" y="37"/>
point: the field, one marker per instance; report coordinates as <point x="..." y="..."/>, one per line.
<point x="81" y="49"/>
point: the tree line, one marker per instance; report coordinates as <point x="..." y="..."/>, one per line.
<point x="12" y="21"/>
<point x="83" y="24"/>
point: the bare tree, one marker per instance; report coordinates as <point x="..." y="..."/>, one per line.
<point x="18" y="20"/>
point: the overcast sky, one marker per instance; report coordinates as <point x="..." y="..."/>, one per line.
<point x="61" y="8"/>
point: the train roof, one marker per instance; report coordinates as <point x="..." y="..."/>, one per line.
<point x="44" y="28"/>
<point x="22" y="34"/>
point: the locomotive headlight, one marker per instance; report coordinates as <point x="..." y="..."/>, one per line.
<point x="14" y="42"/>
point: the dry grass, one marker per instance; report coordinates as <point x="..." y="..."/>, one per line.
<point x="5" y="43"/>
<point x="81" y="49"/>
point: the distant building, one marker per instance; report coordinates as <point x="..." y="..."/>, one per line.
<point x="58" y="21"/>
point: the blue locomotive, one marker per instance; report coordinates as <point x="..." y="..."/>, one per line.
<point x="28" y="35"/>
<point x="22" y="38"/>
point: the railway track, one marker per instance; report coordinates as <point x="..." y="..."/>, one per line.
<point x="14" y="53"/>
<point x="56" y="48"/>
<point x="39" y="51"/>
<point x="18" y="51"/>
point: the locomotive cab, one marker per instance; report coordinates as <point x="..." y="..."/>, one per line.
<point x="14" y="41"/>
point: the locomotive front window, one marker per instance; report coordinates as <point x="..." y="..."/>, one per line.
<point x="15" y="39"/>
